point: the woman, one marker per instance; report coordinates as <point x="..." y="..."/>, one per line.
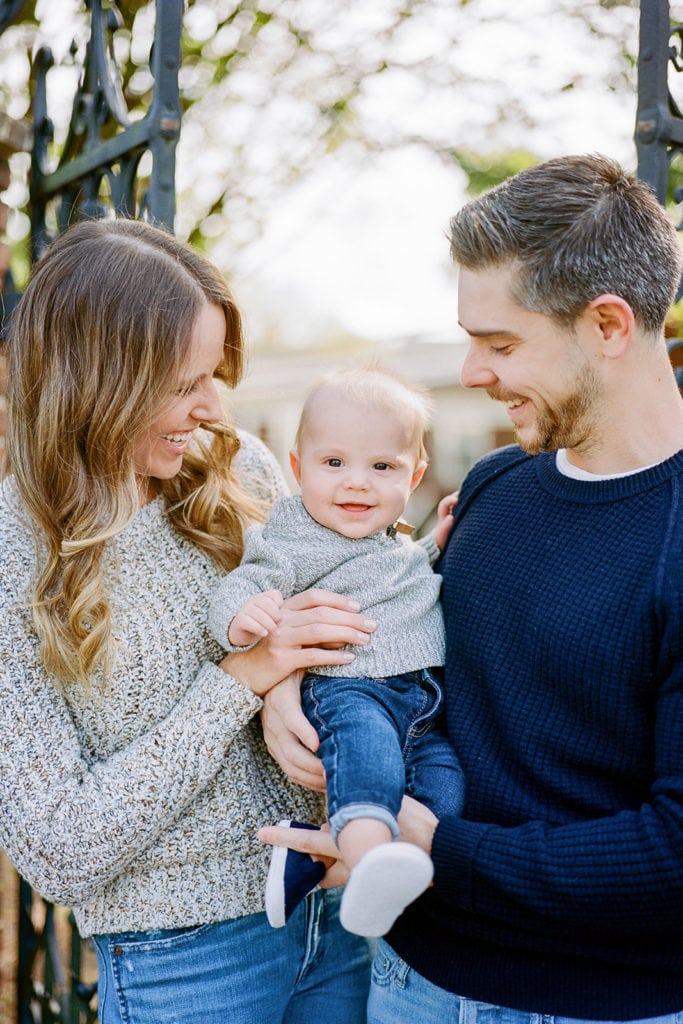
<point x="134" y="774"/>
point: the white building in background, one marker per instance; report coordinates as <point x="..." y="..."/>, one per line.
<point x="466" y="423"/>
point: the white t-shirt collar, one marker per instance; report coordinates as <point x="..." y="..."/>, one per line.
<point x="565" y="467"/>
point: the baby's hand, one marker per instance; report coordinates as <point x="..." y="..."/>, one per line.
<point x="445" y="519"/>
<point x="258" y="617"/>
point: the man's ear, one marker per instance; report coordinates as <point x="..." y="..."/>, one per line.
<point x="417" y="475"/>
<point x="295" y="465"/>
<point x="615" y="321"/>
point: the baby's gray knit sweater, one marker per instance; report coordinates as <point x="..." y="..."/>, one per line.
<point x="138" y="806"/>
<point x="389" y="576"/>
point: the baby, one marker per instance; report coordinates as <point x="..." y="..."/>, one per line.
<point x="359" y="454"/>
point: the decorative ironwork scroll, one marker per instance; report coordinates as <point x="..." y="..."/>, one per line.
<point x="50" y="989"/>
<point x="9" y="9"/>
<point x="659" y="121"/>
<point x="97" y="170"/>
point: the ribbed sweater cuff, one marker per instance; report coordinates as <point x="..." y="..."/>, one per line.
<point x="431" y="547"/>
<point x="453" y="850"/>
<point x="234" y="648"/>
<point x="213" y="688"/>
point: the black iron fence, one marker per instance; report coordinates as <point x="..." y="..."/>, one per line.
<point x="97" y="170"/>
<point x="659" y="120"/>
<point x="96" y="175"/>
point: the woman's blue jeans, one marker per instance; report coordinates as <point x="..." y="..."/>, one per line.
<point x="379" y="739"/>
<point x="399" y="995"/>
<point x="238" y="972"/>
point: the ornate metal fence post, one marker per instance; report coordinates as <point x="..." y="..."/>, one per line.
<point x="104" y="146"/>
<point x="658" y="124"/>
<point x="659" y="121"/>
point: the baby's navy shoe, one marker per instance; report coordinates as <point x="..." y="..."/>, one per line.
<point x="291" y="876"/>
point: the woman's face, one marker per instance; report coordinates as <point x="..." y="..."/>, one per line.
<point x="159" y="451"/>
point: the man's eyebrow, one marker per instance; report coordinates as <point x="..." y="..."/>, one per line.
<point x="482" y="332"/>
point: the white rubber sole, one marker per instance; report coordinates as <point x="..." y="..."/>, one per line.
<point x="275" y="892"/>
<point x="381" y="886"/>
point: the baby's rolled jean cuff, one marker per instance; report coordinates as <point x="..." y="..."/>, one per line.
<point x="352" y="811"/>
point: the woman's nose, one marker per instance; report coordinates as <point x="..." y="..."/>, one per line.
<point x="209" y="408"/>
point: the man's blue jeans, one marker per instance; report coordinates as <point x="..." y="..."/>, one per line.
<point x="238" y="972"/>
<point x="399" y="995"/>
<point x="378" y="740"/>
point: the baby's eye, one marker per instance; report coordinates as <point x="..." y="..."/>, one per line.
<point x="335" y="463"/>
<point x="382" y="465"/>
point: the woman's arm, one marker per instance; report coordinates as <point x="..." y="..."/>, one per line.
<point x="70" y="824"/>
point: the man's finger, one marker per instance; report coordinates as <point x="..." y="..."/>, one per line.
<point x="317" y="843"/>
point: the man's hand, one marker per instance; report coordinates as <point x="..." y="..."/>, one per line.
<point x="290" y="737"/>
<point x="319" y="845"/>
<point x="417" y="824"/>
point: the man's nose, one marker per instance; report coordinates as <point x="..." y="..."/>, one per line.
<point x="475" y="372"/>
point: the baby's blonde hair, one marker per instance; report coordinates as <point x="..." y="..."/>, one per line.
<point x="378" y="388"/>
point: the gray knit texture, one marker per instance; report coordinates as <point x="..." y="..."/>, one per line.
<point x="138" y="806"/>
<point x="389" y="575"/>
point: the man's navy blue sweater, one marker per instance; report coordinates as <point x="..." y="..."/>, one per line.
<point x="560" y="891"/>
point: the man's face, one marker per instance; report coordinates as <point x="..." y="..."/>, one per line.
<point x="545" y="374"/>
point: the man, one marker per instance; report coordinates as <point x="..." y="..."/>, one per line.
<point x="560" y="890"/>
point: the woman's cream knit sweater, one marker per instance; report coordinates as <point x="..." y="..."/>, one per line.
<point x="138" y="807"/>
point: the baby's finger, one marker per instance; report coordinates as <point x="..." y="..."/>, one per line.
<point x="272" y="600"/>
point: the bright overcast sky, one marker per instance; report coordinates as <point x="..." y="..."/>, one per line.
<point x="363" y="249"/>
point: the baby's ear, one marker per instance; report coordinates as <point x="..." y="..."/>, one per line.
<point x="418" y="474"/>
<point x="295" y="464"/>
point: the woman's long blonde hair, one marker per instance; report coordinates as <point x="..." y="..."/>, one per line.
<point x="97" y="343"/>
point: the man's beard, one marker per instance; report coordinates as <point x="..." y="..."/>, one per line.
<point x="570" y="423"/>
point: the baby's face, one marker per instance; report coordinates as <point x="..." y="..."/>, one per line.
<point x="356" y="466"/>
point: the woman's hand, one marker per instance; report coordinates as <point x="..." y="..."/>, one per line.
<point x="319" y="845"/>
<point x="310" y="621"/>
<point x="291" y="739"/>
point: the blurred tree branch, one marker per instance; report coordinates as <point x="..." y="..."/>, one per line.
<point x="271" y="88"/>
